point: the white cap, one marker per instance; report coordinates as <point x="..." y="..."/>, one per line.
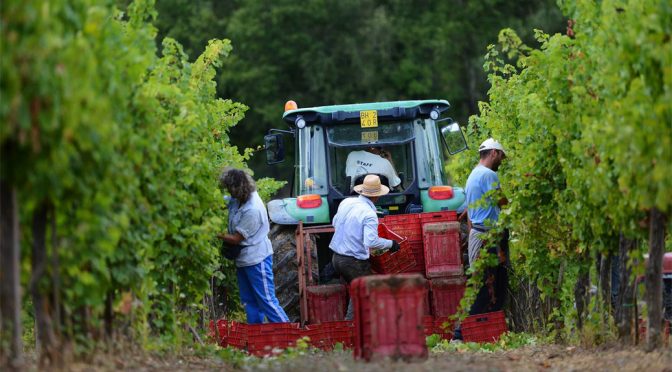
<point x="491" y="144"/>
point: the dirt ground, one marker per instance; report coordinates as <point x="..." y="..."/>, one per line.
<point x="530" y="358"/>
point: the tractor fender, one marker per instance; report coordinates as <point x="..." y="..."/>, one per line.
<point x="278" y="214"/>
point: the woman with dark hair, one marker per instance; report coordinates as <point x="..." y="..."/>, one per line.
<point x="248" y="231"/>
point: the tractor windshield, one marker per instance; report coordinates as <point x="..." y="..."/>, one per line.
<point x="385" y="150"/>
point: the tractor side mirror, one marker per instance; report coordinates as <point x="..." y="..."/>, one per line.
<point x="275" y="148"/>
<point x="453" y="138"/>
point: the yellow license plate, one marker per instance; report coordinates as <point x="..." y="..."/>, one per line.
<point x="369" y="119"/>
<point x="370" y="136"/>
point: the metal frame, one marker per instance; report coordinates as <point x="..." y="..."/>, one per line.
<point x="304" y="248"/>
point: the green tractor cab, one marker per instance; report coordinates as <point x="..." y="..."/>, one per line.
<point x="410" y="133"/>
<point x="335" y="147"/>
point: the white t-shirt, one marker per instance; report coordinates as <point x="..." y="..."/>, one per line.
<point x="364" y="162"/>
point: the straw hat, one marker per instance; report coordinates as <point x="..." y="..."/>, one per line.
<point x="372" y="187"/>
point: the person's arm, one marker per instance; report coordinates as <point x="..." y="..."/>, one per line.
<point x="371" y="238"/>
<point x="231" y="239"/>
<point x="250" y="223"/>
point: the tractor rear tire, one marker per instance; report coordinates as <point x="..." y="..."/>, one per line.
<point x="285" y="269"/>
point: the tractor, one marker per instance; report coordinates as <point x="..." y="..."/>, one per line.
<point x="417" y="139"/>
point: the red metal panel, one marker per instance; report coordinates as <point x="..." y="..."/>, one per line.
<point x="304" y="247"/>
<point x="301" y="265"/>
<point x="389" y="316"/>
<point x="326" y="303"/>
<point x="446" y="294"/>
<point x="442" y="249"/>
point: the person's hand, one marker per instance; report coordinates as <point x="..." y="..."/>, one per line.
<point x="395" y="246"/>
<point x="221" y="236"/>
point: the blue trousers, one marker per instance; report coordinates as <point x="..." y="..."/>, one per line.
<point x="257" y="293"/>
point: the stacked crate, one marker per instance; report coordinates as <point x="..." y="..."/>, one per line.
<point x="326" y="303"/>
<point x="393" y="262"/>
<point x="409" y="227"/>
<point x="434" y="238"/>
<point x="388" y="320"/>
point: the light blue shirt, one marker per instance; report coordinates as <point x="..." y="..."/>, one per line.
<point x="481" y="180"/>
<point x="251" y="221"/>
<point x="356" y="229"/>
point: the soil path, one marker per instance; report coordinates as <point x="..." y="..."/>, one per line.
<point x="531" y="358"/>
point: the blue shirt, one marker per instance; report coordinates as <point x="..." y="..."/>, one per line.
<point x="251" y="221"/>
<point x="481" y="180"/>
<point x="356" y="229"/>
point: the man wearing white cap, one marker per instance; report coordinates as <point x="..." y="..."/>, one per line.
<point x="483" y="211"/>
<point x="356" y="233"/>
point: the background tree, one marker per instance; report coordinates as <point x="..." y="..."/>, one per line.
<point x="323" y="52"/>
<point x="586" y="118"/>
<point x="110" y="158"/>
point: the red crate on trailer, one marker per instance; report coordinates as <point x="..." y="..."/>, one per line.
<point x="392" y="263"/>
<point x="484" y="327"/>
<point x="446" y="294"/>
<point x="389" y="316"/>
<point x="442" y="249"/>
<point x="443" y="326"/>
<point x="405" y="225"/>
<point x="442" y="216"/>
<point x="326" y="302"/>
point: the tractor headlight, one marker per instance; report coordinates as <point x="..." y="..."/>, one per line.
<point x="300" y="122"/>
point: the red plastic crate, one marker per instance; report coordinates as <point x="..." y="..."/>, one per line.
<point x="405" y="225"/>
<point x="442" y="249"/>
<point x="326" y="335"/>
<point x="446" y="294"/>
<point x="263" y="338"/>
<point x="236" y="335"/>
<point x="418" y="250"/>
<point x="443" y="216"/>
<point x="326" y="303"/>
<point x="444" y="326"/>
<point x="222" y="331"/>
<point x="393" y="263"/>
<point x="484" y="327"/>
<point x="428" y="324"/>
<point x="389" y="316"/>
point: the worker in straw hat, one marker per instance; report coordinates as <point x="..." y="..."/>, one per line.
<point x="356" y="233"/>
